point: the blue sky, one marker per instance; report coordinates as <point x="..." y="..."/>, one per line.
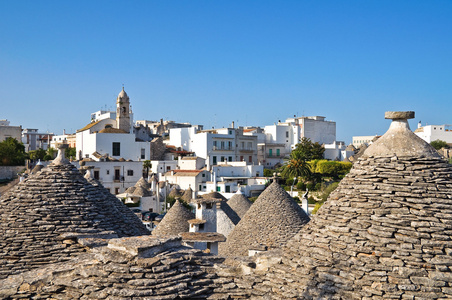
<point x="213" y="62"/>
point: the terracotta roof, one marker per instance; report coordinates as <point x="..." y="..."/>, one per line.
<point x="89" y="126"/>
<point x="112" y="130"/>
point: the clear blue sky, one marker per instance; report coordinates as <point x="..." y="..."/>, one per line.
<point x="213" y="62"/>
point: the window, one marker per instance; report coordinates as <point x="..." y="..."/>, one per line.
<point x="287" y="134"/>
<point x="230" y="158"/>
<point x="215" y="145"/>
<point x="218" y="189"/>
<point x="230" y="145"/>
<point x="117" y="174"/>
<point x="214" y="160"/>
<point x="108" y="172"/>
<point x="129" y="172"/>
<point x="243" y="145"/>
<point x="143" y="153"/>
<point x="168" y="168"/>
<point x="270" y="152"/>
<point x="230" y="131"/>
<point x="199" y="187"/>
<point x="277" y="152"/>
<point x="222" y="144"/>
<point x="241" y="157"/>
<point x="209" y="205"/>
<point x="116" y="191"/>
<point x="228" y="189"/>
<point x="203" y="175"/>
<point x="250" y="159"/>
<point x="222" y="158"/>
<point x="201" y="227"/>
<point x="209" y="245"/>
<point x="116" y="149"/>
<point x="96" y="174"/>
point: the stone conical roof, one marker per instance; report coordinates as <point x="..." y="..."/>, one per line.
<point x="213" y="195"/>
<point x="385" y="232"/>
<point x="140" y="191"/>
<point x="41" y="217"/>
<point x="187" y="196"/>
<point x="271" y="221"/>
<point x="175" y="192"/>
<point x="143" y="183"/>
<point x="239" y="203"/>
<point x="175" y="221"/>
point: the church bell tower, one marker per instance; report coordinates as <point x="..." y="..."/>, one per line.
<point x="123" y="111"/>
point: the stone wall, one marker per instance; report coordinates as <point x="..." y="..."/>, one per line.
<point x="9" y="172"/>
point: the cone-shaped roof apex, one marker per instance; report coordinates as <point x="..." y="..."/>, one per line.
<point x="175" y="221"/>
<point x="271" y="221"/>
<point x="38" y="214"/>
<point x="240" y="204"/>
<point x="399" y="140"/>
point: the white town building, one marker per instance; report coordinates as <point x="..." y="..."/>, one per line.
<point x="430" y="133"/>
<point x="7" y="131"/>
<point x="107" y="137"/>
<point x="216" y="145"/>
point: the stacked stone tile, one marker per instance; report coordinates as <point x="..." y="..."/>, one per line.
<point x="240" y="204"/>
<point x="175" y="221"/>
<point x="270" y="222"/>
<point x="188" y="195"/>
<point x="129" y="268"/>
<point x="41" y="217"/>
<point x="386" y="232"/>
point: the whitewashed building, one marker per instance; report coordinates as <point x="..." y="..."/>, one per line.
<point x="216" y="145"/>
<point x="430" y="133"/>
<point x="8" y="131"/>
<point x="108" y="137"/>
<point x="116" y="176"/>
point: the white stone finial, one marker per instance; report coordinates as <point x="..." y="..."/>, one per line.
<point x="61" y="157"/>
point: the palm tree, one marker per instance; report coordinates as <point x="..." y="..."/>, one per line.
<point x="147" y="165"/>
<point x="296" y="166"/>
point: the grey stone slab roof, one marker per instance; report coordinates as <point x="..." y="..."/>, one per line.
<point x="143" y="183"/>
<point x="37" y="214"/>
<point x="240" y="204"/>
<point x="202" y="237"/>
<point x="271" y="221"/>
<point x="175" y="221"/>
<point x="175" y="192"/>
<point x="187" y="196"/>
<point x="385" y="232"/>
<point x="130" y="268"/>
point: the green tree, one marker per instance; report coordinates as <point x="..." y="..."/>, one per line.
<point x="12" y="153"/>
<point x="268" y="172"/>
<point x="309" y="150"/>
<point x="296" y="166"/>
<point x="70" y="152"/>
<point x="438" y="144"/>
<point x="51" y="154"/>
<point x="146" y="166"/>
<point x="37" y="154"/>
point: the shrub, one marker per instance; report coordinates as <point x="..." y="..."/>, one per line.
<point x="301" y="186"/>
